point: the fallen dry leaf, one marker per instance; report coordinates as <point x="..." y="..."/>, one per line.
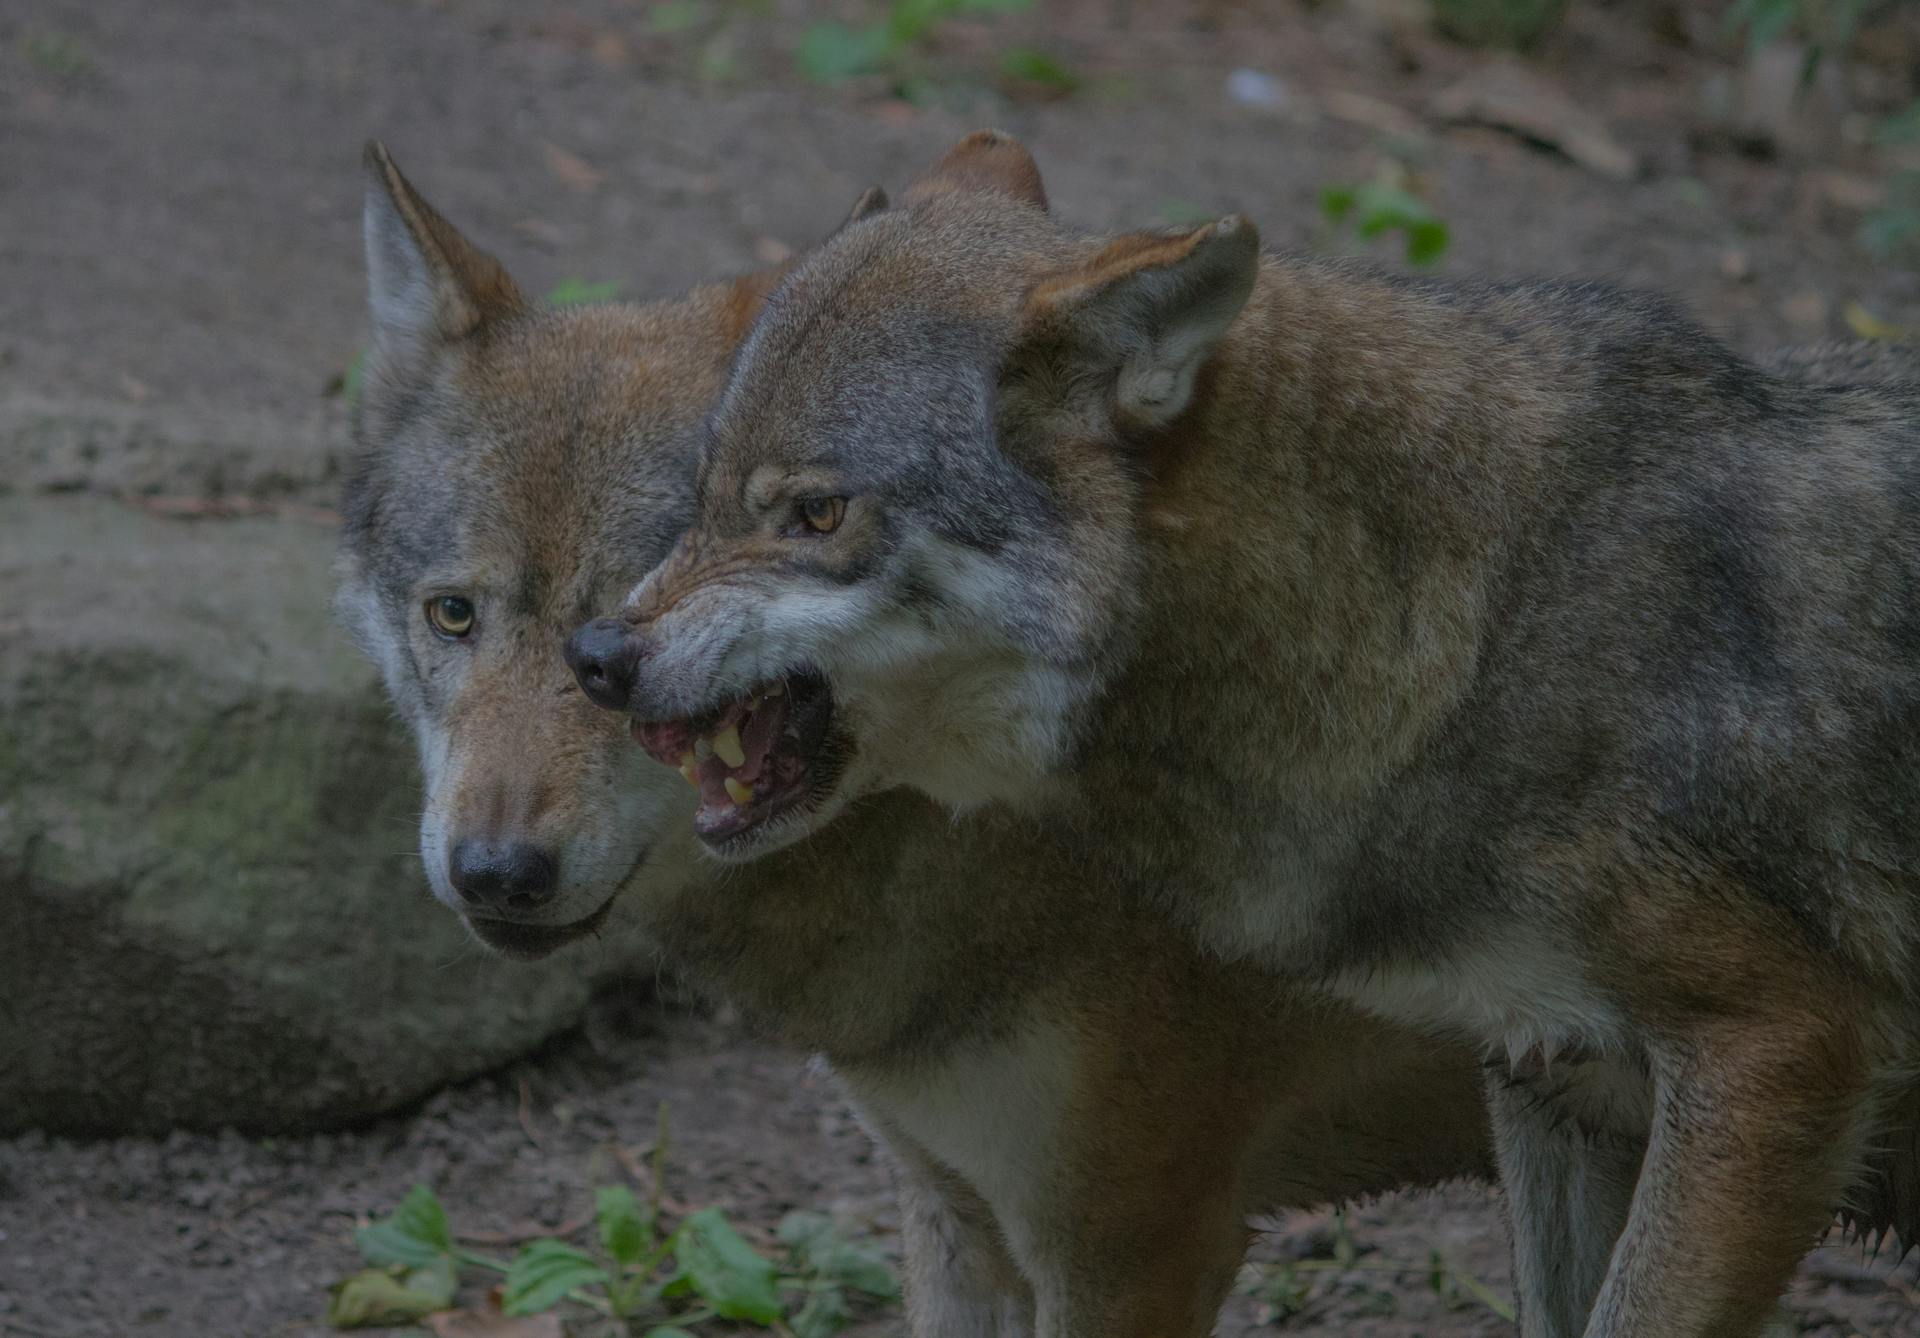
<point x="1869" y="326"/>
<point x="1345" y="105"/>
<point x="493" y="1324"/>
<point x="573" y="170"/>
<point x="1508" y="97"/>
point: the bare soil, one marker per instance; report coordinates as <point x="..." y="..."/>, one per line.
<point x="179" y="255"/>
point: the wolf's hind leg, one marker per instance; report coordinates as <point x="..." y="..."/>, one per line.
<point x="1757" y="1125"/>
<point x="1569" y="1139"/>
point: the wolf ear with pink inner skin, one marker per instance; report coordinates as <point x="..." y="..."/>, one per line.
<point x="1148" y="309"/>
<point x="427" y="285"/>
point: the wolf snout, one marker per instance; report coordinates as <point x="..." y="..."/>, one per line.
<point x="604" y="656"/>
<point x="511" y="877"/>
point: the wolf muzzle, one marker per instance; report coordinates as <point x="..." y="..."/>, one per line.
<point x="605" y="656"/>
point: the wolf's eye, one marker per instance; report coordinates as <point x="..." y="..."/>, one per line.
<point x="450" y="616"/>
<point x="823" y="515"/>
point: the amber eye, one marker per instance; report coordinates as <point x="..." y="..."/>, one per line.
<point x="450" y="616"/>
<point x="823" y="514"/>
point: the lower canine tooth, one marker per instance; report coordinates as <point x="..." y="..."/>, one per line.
<point x="726" y="745"/>
<point x="686" y="769"/>
<point x="740" y="794"/>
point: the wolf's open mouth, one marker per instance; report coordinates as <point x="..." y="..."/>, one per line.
<point x="751" y="759"/>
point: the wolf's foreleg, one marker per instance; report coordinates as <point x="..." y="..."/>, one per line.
<point x="1757" y="1124"/>
<point x="960" y="1281"/>
<point x="1569" y="1144"/>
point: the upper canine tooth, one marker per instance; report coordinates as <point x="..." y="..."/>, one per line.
<point x="686" y="769"/>
<point x="726" y="744"/>
<point x="740" y="794"/>
<point x="702" y="750"/>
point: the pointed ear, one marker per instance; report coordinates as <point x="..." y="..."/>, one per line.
<point x="872" y="200"/>
<point x="1149" y="308"/>
<point x="986" y="160"/>
<point x="746" y="295"/>
<point x="426" y="283"/>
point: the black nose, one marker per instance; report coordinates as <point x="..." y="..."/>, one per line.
<point x="603" y="656"/>
<point x="504" y="875"/>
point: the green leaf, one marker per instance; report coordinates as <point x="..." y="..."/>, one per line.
<point x="1382" y="207"/>
<point x="354" y="377"/>
<point x="1336" y="202"/>
<point x="729" y="1274"/>
<point x="675" y="16"/>
<point x="1771" y="18"/>
<point x="625" y="1229"/>
<point x="820" y="1250"/>
<point x="830" y="53"/>
<point x="383" y="1296"/>
<point x="1426" y="242"/>
<point x="1037" y="67"/>
<point x="573" y="290"/>
<point x="544" y="1272"/>
<point x="798" y="1231"/>
<point x="1887" y="230"/>
<point x="415" y="1235"/>
<point x="824" y="1315"/>
<point x="667" y="1331"/>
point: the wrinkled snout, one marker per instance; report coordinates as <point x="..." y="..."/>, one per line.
<point x="605" y="657"/>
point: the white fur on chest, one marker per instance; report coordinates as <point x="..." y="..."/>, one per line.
<point x="990" y="1112"/>
<point x="1516" y="997"/>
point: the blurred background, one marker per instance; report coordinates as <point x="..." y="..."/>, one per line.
<point x="233" y="1027"/>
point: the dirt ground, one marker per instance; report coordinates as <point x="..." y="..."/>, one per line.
<point x="179" y="251"/>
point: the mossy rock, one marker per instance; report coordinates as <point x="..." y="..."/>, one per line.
<point x="211" y="912"/>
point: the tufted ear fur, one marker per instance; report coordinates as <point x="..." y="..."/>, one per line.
<point x="872" y="200"/>
<point x="426" y="284"/>
<point x="1149" y="308"/>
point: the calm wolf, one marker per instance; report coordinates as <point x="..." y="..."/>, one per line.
<point x="1512" y="660"/>
<point x="1083" y="1108"/>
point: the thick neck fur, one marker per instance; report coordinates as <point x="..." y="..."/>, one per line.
<point x="1335" y="539"/>
<point x="1321" y="537"/>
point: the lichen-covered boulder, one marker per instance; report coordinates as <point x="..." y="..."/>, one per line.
<point x="210" y="908"/>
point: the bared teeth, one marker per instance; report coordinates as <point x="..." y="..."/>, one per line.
<point x="740" y="794"/>
<point x="687" y="764"/>
<point x="726" y="746"/>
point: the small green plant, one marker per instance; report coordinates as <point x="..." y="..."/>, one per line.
<point x="1826" y="26"/>
<point x="59" y="54"/>
<point x="893" y="45"/>
<point x="636" y="1271"/>
<point x="1892" y="231"/>
<point x="573" y="290"/>
<point x="713" y="27"/>
<point x="1386" y="204"/>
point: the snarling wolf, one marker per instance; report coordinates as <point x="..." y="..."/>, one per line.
<point x="1083" y="1108"/>
<point x="1512" y="660"/>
